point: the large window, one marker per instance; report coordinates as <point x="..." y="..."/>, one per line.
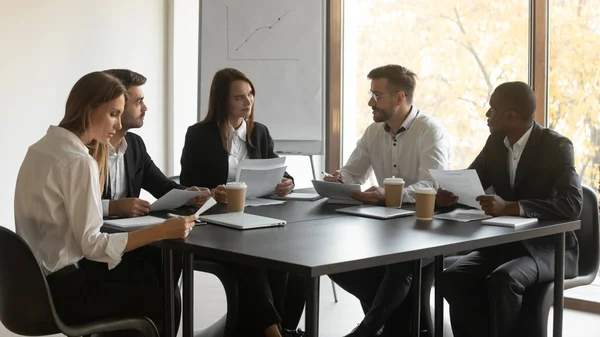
<point x="461" y="50"/>
<point x="574" y="81"/>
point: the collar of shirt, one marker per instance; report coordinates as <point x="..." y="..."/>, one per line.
<point x="520" y="144"/>
<point x="60" y="134"/>
<point x="240" y="132"/>
<point x="410" y="119"/>
<point x="113" y="153"/>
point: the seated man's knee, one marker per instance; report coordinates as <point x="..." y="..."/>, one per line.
<point x="501" y="281"/>
<point x="449" y="284"/>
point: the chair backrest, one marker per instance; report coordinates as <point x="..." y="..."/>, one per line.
<point x="26" y="306"/>
<point x="589" y="235"/>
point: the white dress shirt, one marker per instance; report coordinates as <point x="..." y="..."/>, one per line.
<point x="419" y="145"/>
<point x="236" y="146"/>
<point x="58" y="209"/>
<point x="514" y="156"/>
<point x="117" y="177"/>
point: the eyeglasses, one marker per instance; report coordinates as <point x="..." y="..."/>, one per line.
<point x="376" y="97"/>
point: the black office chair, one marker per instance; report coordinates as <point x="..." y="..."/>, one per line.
<point x="538" y="300"/>
<point x="225" y="325"/>
<point x="26" y="306"/>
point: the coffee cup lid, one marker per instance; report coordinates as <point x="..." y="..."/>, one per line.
<point x="393" y="181"/>
<point x="426" y="190"/>
<point x="236" y="185"/>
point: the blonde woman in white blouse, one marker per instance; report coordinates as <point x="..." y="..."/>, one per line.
<point x="58" y="211"/>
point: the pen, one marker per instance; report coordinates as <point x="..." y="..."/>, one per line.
<point x="331" y="175"/>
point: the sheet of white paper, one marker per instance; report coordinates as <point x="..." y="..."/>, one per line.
<point x="299" y="196"/>
<point x="255" y="202"/>
<point x="142" y="221"/>
<point x="463" y="215"/>
<point x="173" y="199"/>
<point x="464" y="184"/>
<point x="260" y="164"/>
<point x="261" y="182"/>
<point x="335" y="190"/>
<point x="208" y="204"/>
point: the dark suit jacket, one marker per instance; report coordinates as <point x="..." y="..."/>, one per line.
<point x="142" y="172"/>
<point x="204" y="161"/>
<point x="546" y="185"/>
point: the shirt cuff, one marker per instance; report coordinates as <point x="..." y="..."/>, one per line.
<point x="105" y="204"/>
<point x="115" y="248"/>
<point x="521" y="212"/>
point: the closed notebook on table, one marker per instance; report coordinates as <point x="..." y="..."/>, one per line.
<point x="509" y="221"/>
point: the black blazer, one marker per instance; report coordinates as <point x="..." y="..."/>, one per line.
<point x="204" y="161"/>
<point x="142" y="172"/>
<point x="546" y="185"/>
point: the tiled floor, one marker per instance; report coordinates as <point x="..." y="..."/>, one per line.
<point x="337" y="319"/>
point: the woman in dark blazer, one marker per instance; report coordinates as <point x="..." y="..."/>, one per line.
<point x="212" y="152"/>
<point x="228" y="134"/>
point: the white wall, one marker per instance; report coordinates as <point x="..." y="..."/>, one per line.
<point x="46" y="46"/>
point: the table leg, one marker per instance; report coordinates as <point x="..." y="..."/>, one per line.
<point x="439" y="300"/>
<point x="169" y="282"/>
<point x="188" y="295"/>
<point x="416" y="286"/>
<point x="559" y="277"/>
<point x="312" y="306"/>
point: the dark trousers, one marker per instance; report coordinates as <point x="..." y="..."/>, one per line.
<point x="295" y="298"/>
<point x="260" y="297"/>
<point x="381" y="291"/>
<point x="485" y="290"/>
<point x="133" y="288"/>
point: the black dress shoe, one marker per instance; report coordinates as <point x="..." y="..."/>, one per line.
<point x="292" y="333"/>
<point x="363" y="331"/>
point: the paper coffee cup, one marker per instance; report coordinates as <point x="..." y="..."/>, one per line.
<point x="394" y="188"/>
<point x="425" y="199"/>
<point x="236" y="196"/>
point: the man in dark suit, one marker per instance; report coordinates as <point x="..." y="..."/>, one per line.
<point x="532" y="172"/>
<point x="130" y="165"/>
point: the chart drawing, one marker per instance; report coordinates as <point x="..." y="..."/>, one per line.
<point x="249" y="39"/>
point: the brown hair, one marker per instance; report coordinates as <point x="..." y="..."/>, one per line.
<point x="218" y="102"/>
<point x="127" y="77"/>
<point x="399" y="78"/>
<point x="91" y="91"/>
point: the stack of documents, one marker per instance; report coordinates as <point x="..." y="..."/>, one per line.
<point x="261" y="175"/>
<point x="173" y="199"/>
<point x="463" y="215"/>
<point x="336" y="192"/>
<point x="465" y="184"/>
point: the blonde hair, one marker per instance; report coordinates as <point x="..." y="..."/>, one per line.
<point x="90" y="92"/>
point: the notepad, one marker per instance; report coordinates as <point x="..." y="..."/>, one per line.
<point x="509" y="221"/>
<point x="377" y="212"/>
<point x="142" y="221"/>
<point x="333" y="190"/>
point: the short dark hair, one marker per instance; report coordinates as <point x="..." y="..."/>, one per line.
<point x="127" y="77"/>
<point x="399" y="78"/>
<point x="517" y="96"/>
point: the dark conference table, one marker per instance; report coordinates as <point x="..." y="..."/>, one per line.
<point x="318" y="241"/>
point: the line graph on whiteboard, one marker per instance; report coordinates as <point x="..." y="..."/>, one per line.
<point x="254" y="42"/>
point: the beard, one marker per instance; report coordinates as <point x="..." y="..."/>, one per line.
<point x="380" y="115"/>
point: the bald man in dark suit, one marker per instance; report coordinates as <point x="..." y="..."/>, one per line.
<point x="531" y="170"/>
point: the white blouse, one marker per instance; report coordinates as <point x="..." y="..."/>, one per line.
<point x="236" y="146"/>
<point x="58" y="209"/>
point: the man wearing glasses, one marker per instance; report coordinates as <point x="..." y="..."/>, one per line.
<point x="402" y="142"/>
